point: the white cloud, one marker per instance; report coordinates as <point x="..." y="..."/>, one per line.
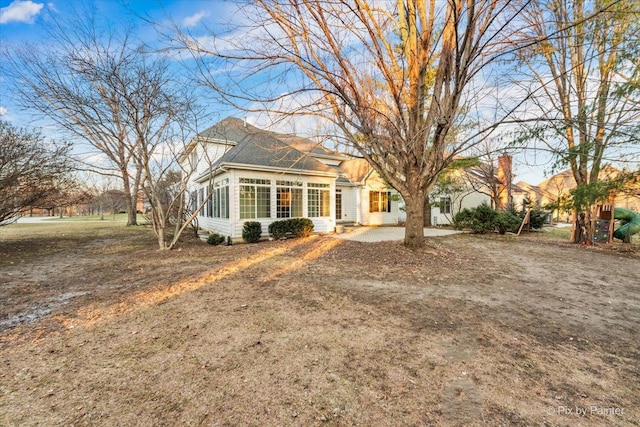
<point x="20" y="11"/>
<point x="3" y="111"/>
<point x="193" y="20"/>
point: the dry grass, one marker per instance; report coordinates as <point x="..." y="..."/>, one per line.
<point x="470" y="331"/>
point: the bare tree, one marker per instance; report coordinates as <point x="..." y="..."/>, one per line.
<point x="78" y="80"/>
<point x="31" y="171"/>
<point x="579" y="76"/>
<point x="105" y="89"/>
<point x="392" y="77"/>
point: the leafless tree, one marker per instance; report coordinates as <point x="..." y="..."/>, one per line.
<point x="485" y="175"/>
<point x="80" y="79"/>
<point x="393" y="77"/>
<point x="31" y="171"/>
<point x="106" y="89"/>
<point x="584" y="108"/>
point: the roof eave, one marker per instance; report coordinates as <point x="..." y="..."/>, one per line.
<point x="225" y="166"/>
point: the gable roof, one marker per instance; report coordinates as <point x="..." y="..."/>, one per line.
<point x="266" y="151"/>
<point x="354" y="170"/>
<point x="255" y="148"/>
<point x="230" y="129"/>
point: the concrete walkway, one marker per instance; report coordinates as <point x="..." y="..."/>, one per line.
<point x="383" y="234"/>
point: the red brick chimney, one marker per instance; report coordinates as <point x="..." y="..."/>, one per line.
<point x="505" y="179"/>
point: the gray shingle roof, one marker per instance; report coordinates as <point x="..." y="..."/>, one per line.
<point x="257" y="147"/>
<point x="230" y="129"/>
<point x="264" y="150"/>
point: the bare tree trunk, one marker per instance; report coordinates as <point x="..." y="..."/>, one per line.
<point x="414" y="227"/>
<point x="427" y="212"/>
<point x="129" y="199"/>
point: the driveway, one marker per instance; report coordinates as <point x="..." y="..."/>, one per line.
<point x="381" y="234"/>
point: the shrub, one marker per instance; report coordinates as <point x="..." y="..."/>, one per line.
<point x="538" y="218"/>
<point x="215" y="239"/>
<point x="484" y="219"/>
<point x="463" y="219"/>
<point x="480" y="220"/>
<point x="298" y="227"/>
<point x="279" y="229"/>
<point x="251" y="231"/>
<point x="302" y="227"/>
<point x="507" y="221"/>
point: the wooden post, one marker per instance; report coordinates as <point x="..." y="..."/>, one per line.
<point x="574" y="225"/>
<point x="525" y="220"/>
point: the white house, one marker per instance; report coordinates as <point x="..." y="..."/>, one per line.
<point x="467" y="189"/>
<point x="242" y="173"/>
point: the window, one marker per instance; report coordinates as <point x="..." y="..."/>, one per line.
<point x="200" y="201"/>
<point x="209" y="202"/>
<point x="445" y="205"/>
<point x="318" y="200"/>
<point x="288" y="199"/>
<point x="221" y="199"/>
<point x="338" y="205"/>
<point x="379" y="201"/>
<point x="255" y="198"/>
<point x="194" y="159"/>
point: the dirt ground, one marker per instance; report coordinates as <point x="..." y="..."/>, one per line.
<point x="98" y="327"/>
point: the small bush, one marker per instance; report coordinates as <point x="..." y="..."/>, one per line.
<point x="538" y="218"/>
<point x="251" y="231"/>
<point x="279" y="229"/>
<point x="302" y="227"/>
<point x="481" y="219"/>
<point x="507" y="221"/>
<point x="463" y="219"/>
<point x="298" y="227"/>
<point x="215" y="239"/>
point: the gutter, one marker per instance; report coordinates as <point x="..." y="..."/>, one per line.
<point x="224" y="167"/>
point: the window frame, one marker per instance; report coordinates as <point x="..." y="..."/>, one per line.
<point x="260" y="190"/>
<point x="295" y="205"/>
<point x="318" y="200"/>
<point x="221" y="199"/>
<point x="445" y="205"/>
<point x="379" y="201"/>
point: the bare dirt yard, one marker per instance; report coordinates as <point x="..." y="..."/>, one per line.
<point x="97" y="327"/>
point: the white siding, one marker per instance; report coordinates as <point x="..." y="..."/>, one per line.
<point x="375" y="183"/>
<point x="321" y="225"/>
<point x="217" y="225"/>
<point x="378" y="218"/>
<point x="349" y="204"/>
<point x="458" y="202"/>
<point x="207" y="155"/>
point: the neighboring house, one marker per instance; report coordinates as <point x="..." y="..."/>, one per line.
<point x="467" y="188"/>
<point x="558" y="186"/>
<point x="242" y="173"/>
<point x="463" y="190"/>
<point x="526" y="195"/>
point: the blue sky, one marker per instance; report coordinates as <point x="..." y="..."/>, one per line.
<point x="23" y="21"/>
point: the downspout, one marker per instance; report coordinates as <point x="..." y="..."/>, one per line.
<point x="359" y="204"/>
